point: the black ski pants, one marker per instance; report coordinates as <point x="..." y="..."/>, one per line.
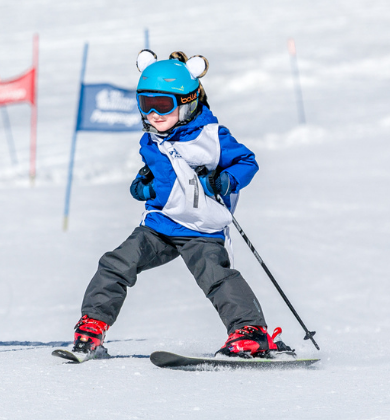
<point x="206" y="258"/>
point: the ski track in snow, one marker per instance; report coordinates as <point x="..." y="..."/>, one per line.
<point x="317" y="212"/>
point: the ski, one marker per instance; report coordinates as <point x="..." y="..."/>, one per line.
<point x="169" y="360"/>
<point x="78" y="357"/>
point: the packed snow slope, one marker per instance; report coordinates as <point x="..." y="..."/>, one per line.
<point x="317" y="212"/>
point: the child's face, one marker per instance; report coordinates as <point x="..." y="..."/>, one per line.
<point x="163" y="122"/>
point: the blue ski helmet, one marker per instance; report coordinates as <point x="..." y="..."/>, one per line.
<point x="168" y="76"/>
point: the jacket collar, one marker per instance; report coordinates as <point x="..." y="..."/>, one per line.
<point x="191" y="130"/>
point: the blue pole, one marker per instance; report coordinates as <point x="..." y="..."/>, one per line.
<point x="297" y="84"/>
<point x="7" y="128"/>
<point x="147" y="38"/>
<point x="73" y="148"/>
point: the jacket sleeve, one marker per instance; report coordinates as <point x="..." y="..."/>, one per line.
<point x="236" y="159"/>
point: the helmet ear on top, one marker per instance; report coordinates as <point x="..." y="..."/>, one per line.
<point x="198" y="66"/>
<point x="145" y="58"/>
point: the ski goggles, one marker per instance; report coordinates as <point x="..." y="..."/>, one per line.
<point x="162" y="103"/>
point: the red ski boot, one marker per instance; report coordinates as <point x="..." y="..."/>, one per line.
<point x="89" y="335"/>
<point x="253" y="341"/>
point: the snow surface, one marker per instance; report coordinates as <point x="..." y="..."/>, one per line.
<point x="317" y="212"/>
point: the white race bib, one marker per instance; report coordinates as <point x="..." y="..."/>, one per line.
<point x="187" y="203"/>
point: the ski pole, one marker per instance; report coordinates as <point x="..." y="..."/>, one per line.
<point x="202" y="170"/>
<point x="309" y="334"/>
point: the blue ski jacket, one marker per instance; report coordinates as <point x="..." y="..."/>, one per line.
<point x="235" y="158"/>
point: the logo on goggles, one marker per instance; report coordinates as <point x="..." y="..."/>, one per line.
<point x="187" y="99"/>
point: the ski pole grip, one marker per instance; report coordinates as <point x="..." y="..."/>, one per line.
<point x="201" y="170"/>
<point x="146" y="173"/>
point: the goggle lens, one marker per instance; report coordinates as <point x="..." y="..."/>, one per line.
<point x="162" y="104"/>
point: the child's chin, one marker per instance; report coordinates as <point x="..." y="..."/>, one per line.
<point x="161" y="127"/>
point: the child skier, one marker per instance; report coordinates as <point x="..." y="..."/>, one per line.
<point x="188" y="159"/>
